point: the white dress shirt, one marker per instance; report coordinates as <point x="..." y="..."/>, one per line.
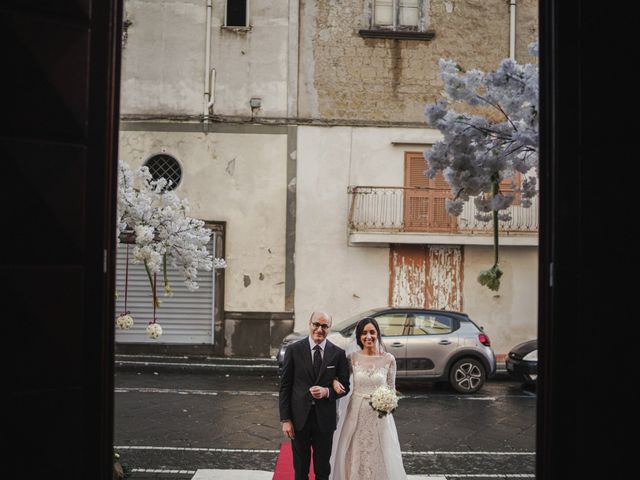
<point x="313" y="344"/>
<point x="322" y="344"/>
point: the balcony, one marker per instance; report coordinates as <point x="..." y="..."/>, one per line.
<point x="384" y="215"/>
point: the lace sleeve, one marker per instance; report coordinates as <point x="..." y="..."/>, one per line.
<point x="391" y="373"/>
<point x="351" y="361"/>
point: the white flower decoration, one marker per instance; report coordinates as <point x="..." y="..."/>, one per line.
<point x="383" y="400"/>
<point x="124" y="322"/>
<point x="154" y="330"/>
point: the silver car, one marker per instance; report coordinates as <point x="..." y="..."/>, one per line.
<point x="427" y="344"/>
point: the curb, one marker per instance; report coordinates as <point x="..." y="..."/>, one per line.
<point x="154" y="363"/>
<point x="236" y="365"/>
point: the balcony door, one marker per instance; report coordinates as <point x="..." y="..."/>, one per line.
<point x="424" y="198"/>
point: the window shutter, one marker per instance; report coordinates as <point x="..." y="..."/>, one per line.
<point x="416" y="167"/>
<point x="425" y="198"/>
<point x="507" y="186"/>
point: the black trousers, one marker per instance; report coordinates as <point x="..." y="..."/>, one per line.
<point x="307" y="438"/>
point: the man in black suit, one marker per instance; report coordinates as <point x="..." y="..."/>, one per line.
<point x="307" y="399"/>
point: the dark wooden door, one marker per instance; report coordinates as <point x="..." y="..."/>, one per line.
<point x="58" y="138"/>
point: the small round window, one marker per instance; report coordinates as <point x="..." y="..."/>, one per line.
<point x="167" y="167"/>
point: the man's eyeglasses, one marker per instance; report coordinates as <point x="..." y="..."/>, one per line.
<point x="323" y="326"/>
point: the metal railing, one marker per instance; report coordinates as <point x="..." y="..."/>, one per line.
<point x="385" y="209"/>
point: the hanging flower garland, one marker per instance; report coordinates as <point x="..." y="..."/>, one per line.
<point x="125" y="320"/>
<point x="163" y="233"/>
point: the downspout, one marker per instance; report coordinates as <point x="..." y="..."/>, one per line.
<point x="512" y="29"/>
<point x="207" y="65"/>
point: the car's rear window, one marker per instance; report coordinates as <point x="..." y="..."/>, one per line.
<point x="351" y="321"/>
<point x="431" y="324"/>
<point x="392" y="324"/>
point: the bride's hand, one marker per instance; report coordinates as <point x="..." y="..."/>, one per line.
<point x="338" y="387"/>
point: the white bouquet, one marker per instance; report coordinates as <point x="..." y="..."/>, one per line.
<point x="124" y="322"/>
<point x="383" y="400"/>
<point x="154" y="330"/>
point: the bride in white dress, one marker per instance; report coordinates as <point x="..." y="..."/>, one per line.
<point x="366" y="447"/>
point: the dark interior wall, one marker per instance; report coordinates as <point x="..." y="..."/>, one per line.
<point x="58" y="137"/>
<point x="587" y="154"/>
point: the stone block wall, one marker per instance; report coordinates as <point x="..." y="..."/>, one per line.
<point x="346" y="76"/>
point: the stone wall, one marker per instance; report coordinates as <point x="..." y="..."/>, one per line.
<point x="346" y="76"/>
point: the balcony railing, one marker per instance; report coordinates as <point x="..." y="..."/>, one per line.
<point x="404" y="209"/>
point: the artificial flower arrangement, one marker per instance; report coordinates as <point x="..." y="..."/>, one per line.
<point x="158" y="225"/>
<point x="124" y="322"/>
<point x="154" y="330"/>
<point x="383" y="400"/>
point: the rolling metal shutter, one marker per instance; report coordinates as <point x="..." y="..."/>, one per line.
<point x="185" y="317"/>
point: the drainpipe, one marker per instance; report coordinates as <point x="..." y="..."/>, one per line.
<point x="512" y="30"/>
<point x="207" y="65"/>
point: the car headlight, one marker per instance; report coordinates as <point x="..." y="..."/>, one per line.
<point x="531" y="356"/>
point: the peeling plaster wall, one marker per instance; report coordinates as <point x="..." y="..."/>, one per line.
<point x="240" y="179"/>
<point x="164" y="59"/>
<point x="345" y="76"/>
<point x="510" y="316"/>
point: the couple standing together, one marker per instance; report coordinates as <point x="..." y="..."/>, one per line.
<point x="352" y="442"/>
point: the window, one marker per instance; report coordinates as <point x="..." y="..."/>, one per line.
<point x="399" y="19"/>
<point x="237" y="13"/>
<point x="167" y="167"/>
<point x="396" y="14"/>
<point x="424" y="324"/>
<point x="391" y="324"/>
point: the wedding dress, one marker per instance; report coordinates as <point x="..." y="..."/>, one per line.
<point x="366" y="447"/>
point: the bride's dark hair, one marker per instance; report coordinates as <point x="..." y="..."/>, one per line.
<point x="360" y="327"/>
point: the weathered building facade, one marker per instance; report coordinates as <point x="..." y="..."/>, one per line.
<point x="298" y="126"/>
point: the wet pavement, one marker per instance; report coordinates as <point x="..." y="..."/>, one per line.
<point x="168" y="424"/>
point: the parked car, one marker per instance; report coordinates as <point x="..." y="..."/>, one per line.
<point x="427" y="344"/>
<point x="522" y="362"/>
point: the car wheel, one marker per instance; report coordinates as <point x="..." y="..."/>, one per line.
<point x="467" y="375"/>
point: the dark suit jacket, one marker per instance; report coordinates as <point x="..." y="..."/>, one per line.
<point x="297" y="378"/>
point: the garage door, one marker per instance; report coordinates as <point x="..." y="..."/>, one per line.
<point x="186" y="317"/>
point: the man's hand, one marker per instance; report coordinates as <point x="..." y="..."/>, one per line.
<point x="338" y="387"/>
<point x="319" y="392"/>
<point x="287" y="429"/>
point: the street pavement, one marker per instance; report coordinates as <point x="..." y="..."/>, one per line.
<point x="203" y="422"/>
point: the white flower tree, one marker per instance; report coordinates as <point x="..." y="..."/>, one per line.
<point x="163" y="232"/>
<point x="481" y="149"/>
